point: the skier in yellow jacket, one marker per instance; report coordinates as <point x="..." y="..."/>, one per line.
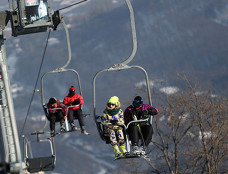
<point x="113" y="114"/>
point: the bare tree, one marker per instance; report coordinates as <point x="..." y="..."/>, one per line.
<point x="194" y="136"/>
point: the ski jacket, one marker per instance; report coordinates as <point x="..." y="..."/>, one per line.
<point x="59" y="105"/>
<point x="107" y="117"/>
<point x="130" y="111"/>
<point x="68" y="100"/>
<point x="118" y="117"/>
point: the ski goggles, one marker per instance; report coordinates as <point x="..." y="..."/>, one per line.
<point x="111" y="104"/>
<point x="138" y="102"/>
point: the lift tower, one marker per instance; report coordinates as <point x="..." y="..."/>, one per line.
<point x="9" y="143"/>
<point x="26" y="16"/>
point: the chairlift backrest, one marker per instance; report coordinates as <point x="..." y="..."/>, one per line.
<point x="40" y="164"/>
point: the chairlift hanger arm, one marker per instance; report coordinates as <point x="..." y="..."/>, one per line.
<point x="57" y="18"/>
<point x="123" y="65"/>
<point x="133" y="31"/>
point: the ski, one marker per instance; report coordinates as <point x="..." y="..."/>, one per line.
<point x="133" y="156"/>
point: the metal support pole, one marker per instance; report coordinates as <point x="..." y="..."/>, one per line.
<point x="10" y="146"/>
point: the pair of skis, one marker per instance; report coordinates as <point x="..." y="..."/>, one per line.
<point x="133" y="156"/>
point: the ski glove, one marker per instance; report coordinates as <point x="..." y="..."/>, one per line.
<point x="76" y="102"/>
<point x="152" y="111"/>
<point x="114" y="122"/>
<point x="149" y="111"/>
<point x="145" y="113"/>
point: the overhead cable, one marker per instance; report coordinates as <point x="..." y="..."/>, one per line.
<point x="41" y="64"/>
<point x="72" y="5"/>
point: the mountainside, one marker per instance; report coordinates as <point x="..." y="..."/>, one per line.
<point x="173" y="36"/>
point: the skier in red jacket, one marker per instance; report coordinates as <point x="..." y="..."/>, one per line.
<point x="74" y="101"/>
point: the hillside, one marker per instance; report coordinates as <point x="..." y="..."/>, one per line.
<point x="174" y="36"/>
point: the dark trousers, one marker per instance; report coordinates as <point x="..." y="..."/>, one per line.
<point x="77" y="113"/>
<point x="57" y="116"/>
<point x="134" y="134"/>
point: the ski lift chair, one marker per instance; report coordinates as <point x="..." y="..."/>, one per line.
<point x="59" y="18"/>
<point x="37" y="164"/>
<point x="98" y="119"/>
<point x="118" y="67"/>
<point x="44" y="104"/>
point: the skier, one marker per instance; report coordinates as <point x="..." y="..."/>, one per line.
<point x="71" y="100"/>
<point x="113" y="114"/>
<point x="138" y="111"/>
<point x="57" y="111"/>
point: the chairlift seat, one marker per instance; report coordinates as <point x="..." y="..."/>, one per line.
<point x="40" y="164"/>
<point x="37" y="164"/>
<point x="106" y="135"/>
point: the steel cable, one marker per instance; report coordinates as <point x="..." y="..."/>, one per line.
<point x="41" y="64"/>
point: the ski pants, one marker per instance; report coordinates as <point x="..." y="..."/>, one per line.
<point x="77" y="113"/>
<point x="135" y="134"/>
<point x="116" y="131"/>
<point x="54" y="117"/>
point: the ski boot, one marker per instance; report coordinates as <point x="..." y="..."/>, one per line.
<point x="73" y="127"/>
<point x="84" y="131"/>
<point x="123" y="150"/>
<point x="62" y="128"/>
<point x="136" y="150"/>
<point x="142" y="150"/>
<point x="116" y="151"/>
<point x="52" y="133"/>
